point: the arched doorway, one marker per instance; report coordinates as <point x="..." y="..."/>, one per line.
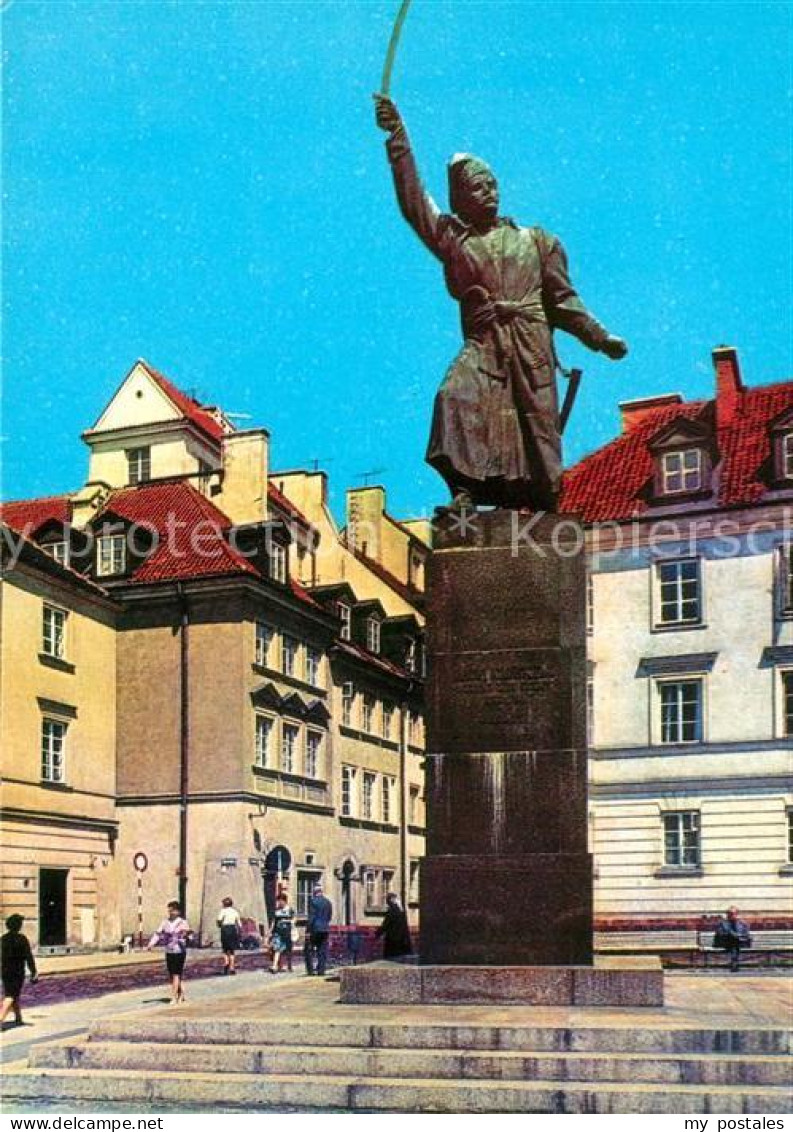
<point x="347" y="878"/>
<point x="277" y="864"/>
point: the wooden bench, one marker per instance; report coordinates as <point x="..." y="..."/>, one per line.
<point x="649" y="939"/>
<point x="767" y="944"/>
<point x="695" y="947"/>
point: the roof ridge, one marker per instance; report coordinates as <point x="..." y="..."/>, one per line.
<point x="37" y="498"/>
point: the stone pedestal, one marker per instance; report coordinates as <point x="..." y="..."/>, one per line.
<point x="507" y="878"/>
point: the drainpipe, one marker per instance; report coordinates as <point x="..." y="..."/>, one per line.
<point x="403" y="807"/>
<point x="184" y="744"/>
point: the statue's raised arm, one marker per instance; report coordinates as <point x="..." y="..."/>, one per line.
<point x="495" y="435"/>
<point x="416" y="205"/>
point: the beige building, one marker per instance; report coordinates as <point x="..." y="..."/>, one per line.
<point x="691" y="655"/>
<point x="59" y="827"/>
<point x="266" y="709"/>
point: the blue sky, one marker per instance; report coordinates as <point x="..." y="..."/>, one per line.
<point x="202" y="184"/>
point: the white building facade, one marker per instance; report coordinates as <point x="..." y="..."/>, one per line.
<point x="691" y="657"/>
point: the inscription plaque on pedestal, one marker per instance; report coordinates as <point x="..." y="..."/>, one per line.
<point x="507" y="878"/>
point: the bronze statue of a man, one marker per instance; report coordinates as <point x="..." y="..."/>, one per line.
<point x="495" y="429"/>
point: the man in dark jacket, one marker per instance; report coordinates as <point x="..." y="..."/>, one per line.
<point x="394" y="929"/>
<point x="732" y="934"/>
<point x="320" y="914"/>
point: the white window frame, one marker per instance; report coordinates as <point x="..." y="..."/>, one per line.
<point x="414" y="801"/>
<point x="312" y="761"/>
<point x="787" y="456"/>
<point x="590" y="711"/>
<point x="277" y="556"/>
<point x="289" y="750"/>
<point x="664" y="685"/>
<point x="58" y="550"/>
<point x="370" y="887"/>
<point x="368" y="795"/>
<point x="414" y="880"/>
<point x="54" y="629"/>
<point x="138" y="465"/>
<point x="373" y="627"/>
<point x="349" y="791"/>
<point x="348" y="704"/>
<point x="789" y="817"/>
<point x="306" y="879"/>
<point x="368" y="712"/>
<point x="344" y="611"/>
<point x="111" y="555"/>
<point x="784" y="579"/>
<point x="678" y="464"/>
<point x="314" y="670"/>
<point x="290" y="645"/>
<point x="386" y="884"/>
<point x="263" y="751"/>
<point x="53" y="749"/>
<point x="387" y="712"/>
<point x="786" y="703"/>
<point x="677" y="586"/>
<point x="590" y="603"/>
<point x="676" y="822"/>
<point x="265" y="638"/>
<point x="388" y="797"/>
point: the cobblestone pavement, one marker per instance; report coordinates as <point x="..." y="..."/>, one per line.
<point x="91" y="983"/>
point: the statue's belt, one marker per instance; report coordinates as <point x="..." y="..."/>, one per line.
<point x="487" y="322"/>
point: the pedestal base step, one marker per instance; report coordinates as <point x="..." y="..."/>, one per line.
<point x="631" y="984"/>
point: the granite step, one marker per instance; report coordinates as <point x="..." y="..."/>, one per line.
<point x="355" y="1061"/>
<point x="442" y="1036"/>
<point x="376" y="1094"/>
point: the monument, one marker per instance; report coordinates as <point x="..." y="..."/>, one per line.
<point x="506" y="883"/>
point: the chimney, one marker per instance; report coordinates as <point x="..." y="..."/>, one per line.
<point x="88" y="502"/>
<point x="243" y="495"/>
<point x="365" y="507"/>
<point x="729" y="387"/>
<point x="634" y="413"/>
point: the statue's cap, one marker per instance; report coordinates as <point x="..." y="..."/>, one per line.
<point x="461" y="167"/>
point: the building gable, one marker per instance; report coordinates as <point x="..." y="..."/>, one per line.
<point x="138" y="401"/>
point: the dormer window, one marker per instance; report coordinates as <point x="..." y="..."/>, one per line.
<point x="681" y="472"/>
<point x="58" y="550"/>
<point x="345" y="616"/>
<point x="277" y="555"/>
<point x="787" y="456"/>
<point x="111" y="557"/>
<point x="138" y="465"/>
<point x="373" y="634"/>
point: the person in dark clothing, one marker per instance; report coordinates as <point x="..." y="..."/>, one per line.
<point x="394" y="930"/>
<point x="320" y="914"/>
<point x="15" y="954"/>
<point x="732" y="934"/>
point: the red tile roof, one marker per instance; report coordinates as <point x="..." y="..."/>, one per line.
<point x="29" y="515"/>
<point x="358" y="652"/>
<point x="610" y="484"/>
<point x="30" y="550"/>
<point x="188" y="406"/>
<point x="192" y="532"/>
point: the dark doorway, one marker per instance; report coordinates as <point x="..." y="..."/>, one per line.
<point x="52" y="907"/>
<point x="277" y="864"/>
<point x="347" y="898"/>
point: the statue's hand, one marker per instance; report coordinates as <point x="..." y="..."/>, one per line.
<point x="615" y="348"/>
<point x="386" y="114"/>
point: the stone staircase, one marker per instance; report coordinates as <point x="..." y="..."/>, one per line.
<point x="426" y="1066"/>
